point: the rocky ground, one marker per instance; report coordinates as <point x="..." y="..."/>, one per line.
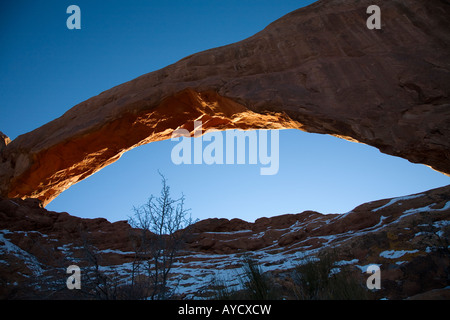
<point x="407" y="237"/>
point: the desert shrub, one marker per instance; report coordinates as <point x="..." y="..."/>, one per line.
<point x="319" y="279"/>
<point x="255" y="284"/>
<point x="221" y="290"/>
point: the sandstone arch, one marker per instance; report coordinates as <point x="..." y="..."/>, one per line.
<point x="317" y="69"/>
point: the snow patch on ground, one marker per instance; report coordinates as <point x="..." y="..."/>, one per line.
<point x="392" y="201"/>
<point x="428" y="209"/>
<point x="394" y="254"/>
<point x="364" y="268"/>
<point x="7" y="247"/>
<point x="229" y="232"/>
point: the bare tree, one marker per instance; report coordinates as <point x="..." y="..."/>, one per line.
<point x="164" y="226"/>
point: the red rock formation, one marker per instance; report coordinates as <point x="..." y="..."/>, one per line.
<point x="317" y="69"/>
<point x="408" y="236"/>
<point x="4" y="140"/>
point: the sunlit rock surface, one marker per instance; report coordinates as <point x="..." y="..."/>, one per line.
<point x="318" y="69"/>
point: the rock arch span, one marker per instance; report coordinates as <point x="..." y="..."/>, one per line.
<point x="317" y="69"/>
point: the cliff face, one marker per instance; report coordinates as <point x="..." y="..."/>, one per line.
<point x="4" y="140"/>
<point x="317" y="69"/>
<point x="408" y="237"/>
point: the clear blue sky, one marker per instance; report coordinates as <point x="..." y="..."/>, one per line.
<point x="45" y="69"/>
